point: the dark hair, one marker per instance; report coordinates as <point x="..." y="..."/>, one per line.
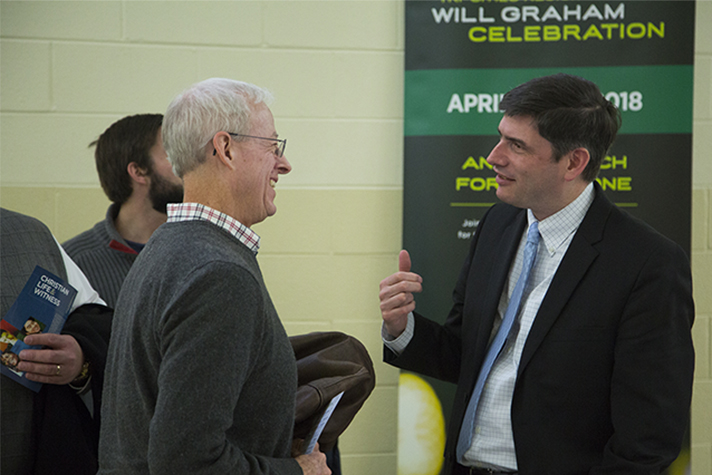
<point x="570" y="112"/>
<point x="127" y="140"/>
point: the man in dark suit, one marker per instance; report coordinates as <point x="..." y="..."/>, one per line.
<point x="595" y="370"/>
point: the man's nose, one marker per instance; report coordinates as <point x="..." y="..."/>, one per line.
<point x="495" y="156"/>
<point x="283" y="165"/>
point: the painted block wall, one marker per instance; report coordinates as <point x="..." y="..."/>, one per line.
<point x="68" y="69"/>
<point x="701" y="426"/>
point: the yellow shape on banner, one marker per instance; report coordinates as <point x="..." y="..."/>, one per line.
<point x="421" y="428"/>
<point x="682" y="465"/>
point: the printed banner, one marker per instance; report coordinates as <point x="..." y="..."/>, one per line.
<point x="462" y="56"/>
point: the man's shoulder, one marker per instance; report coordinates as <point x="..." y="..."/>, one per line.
<point x="617" y="233"/>
<point x="9" y="215"/>
<point x="182" y="262"/>
<point x="200" y="236"/>
<point x="504" y="211"/>
<point x="11" y="221"/>
<point x="92" y="240"/>
<point x="638" y="234"/>
<point x="500" y="216"/>
<point x="197" y="249"/>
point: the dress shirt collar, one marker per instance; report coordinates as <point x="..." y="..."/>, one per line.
<point x="198" y="212"/>
<point x="555" y="229"/>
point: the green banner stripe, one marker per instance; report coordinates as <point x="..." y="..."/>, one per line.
<point x="652" y="99"/>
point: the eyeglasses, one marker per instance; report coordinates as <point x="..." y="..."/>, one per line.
<point x="281" y="143"/>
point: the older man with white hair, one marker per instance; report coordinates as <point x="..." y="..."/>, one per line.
<point x="201" y="376"/>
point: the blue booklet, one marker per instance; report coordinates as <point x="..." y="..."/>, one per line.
<point x="42" y="307"/>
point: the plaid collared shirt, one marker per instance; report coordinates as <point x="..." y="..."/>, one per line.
<point x="198" y="212"/>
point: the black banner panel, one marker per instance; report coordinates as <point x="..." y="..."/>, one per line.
<point x="461" y="58"/>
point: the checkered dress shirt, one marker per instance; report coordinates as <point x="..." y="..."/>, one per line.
<point x="198" y="212"/>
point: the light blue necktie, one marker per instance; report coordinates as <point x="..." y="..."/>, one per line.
<point x="466" y="431"/>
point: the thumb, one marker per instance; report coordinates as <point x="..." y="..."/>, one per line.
<point x="404" y="261"/>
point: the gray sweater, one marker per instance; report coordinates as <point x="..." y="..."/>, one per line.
<point x="201" y="377"/>
<point x="103" y="255"/>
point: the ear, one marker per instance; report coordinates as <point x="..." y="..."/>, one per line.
<point x="137" y="174"/>
<point x="221" y="149"/>
<point x="577" y="161"/>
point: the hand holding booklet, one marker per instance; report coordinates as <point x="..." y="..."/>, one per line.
<point x="41" y="307"/>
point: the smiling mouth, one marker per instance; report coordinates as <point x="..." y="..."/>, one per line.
<point x="503" y="177"/>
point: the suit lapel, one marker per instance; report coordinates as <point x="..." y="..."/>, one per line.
<point x="581" y="254"/>
<point x="507" y="245"/>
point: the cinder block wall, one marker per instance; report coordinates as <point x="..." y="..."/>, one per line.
<point x="71" y="68"/>
<point x="68" y="69"/>
<point x="701" y="428"/>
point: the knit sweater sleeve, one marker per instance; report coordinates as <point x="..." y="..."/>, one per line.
<point x="217" y="379"/>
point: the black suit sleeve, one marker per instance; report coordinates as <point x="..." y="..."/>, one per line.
<point x="437" y="350"/>
<point x="90" y="325"/>
<point x="651" y="384"/>
<point x="67" y="435"/>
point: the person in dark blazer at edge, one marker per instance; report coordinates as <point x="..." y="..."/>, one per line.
<point x="54" y="431"/>
<point x="590" y="371"/>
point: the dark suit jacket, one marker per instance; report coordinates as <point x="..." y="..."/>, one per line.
<point x="605" y="379"/>
<point x="50" y="432"/>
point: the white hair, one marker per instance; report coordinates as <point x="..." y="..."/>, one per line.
<point x="204" y="109"/>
